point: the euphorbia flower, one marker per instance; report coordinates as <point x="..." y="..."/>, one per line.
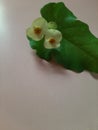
<point x="37" y="29"/>
<point x="52" y="39"/>
<point x="52" y="25"/>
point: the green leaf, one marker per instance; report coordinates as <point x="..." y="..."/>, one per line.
<point x="32" y="43"/>
<point x="79" y="47"/>
<point x="41" y="51"/>
<point x="57" y="12"/>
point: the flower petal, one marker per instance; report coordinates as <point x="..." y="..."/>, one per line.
<point x="37" y="29"/>
<point x="52" y="39"/>
<point x="40" y="22"/>
<point x="52" y="25"/>
<point x="50" y="46"/>
<point x="30" y="33"/>
<point x="53" y="33"/>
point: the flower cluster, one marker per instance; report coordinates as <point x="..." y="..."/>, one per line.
<point x="41" y="28"/>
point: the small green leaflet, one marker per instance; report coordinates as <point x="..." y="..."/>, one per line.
<point x="79" y="47"/>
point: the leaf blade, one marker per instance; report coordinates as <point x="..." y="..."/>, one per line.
<point x="79" y="47"/>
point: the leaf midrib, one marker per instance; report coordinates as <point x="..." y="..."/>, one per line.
<point x="92" y="56"/>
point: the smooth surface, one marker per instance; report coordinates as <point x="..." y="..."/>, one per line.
<point x="36" y="95"/>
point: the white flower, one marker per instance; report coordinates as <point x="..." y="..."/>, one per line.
<point x="52" y="25"/>
<point x="37" y="29"/>
<point x="52" y="39"/>
<point x="40" y="28"/>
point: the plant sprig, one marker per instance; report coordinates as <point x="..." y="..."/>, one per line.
<point x="78" y="49"/>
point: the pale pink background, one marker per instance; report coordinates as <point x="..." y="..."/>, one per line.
<point x="35" y="95"/>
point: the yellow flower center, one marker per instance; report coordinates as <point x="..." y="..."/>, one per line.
<point x="52" y="41"/>
<point x="37" y="30"/>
